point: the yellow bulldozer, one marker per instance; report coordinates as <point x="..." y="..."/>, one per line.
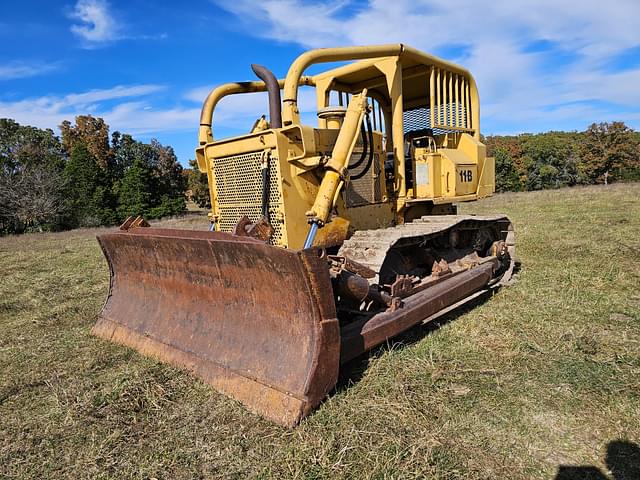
<point x="324" y="241"/>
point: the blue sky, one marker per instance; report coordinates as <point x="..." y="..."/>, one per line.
<point x="145" y="66"/>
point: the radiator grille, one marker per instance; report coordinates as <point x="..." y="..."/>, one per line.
<point x="239" y="191"/>
<point x="366" y="189"/>
<point x="420" y="118"/>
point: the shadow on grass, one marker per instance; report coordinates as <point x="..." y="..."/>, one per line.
<point x="353" y="371"/>
<point x="622" y="460"/>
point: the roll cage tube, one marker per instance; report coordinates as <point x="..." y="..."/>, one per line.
<point x="294" y="79"/>
<point x="205" y="132"/>
<point x="290" y="112"/>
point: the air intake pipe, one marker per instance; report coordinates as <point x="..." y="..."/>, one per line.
<point x="273" y="88"/>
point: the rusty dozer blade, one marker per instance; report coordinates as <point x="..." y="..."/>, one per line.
<point x="255" y="321"/>
<point x="258" y="322"/>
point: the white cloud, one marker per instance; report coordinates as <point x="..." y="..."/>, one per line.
<point x="137" y="111"/>
<point x="238" y="112"/>
<point x="97" y="25"/>
<point x="120" y="91"/>
<point x="15" y="70"/>
<point x="514" y="81"/>
<point x="135" y="115"/>
<point x="141" y="118"/>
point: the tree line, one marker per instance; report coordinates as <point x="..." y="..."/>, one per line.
<point x="605" y="152"/>
<point x="84" y="177"/>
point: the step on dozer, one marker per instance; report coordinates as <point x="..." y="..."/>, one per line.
<point x="324" y="241"/>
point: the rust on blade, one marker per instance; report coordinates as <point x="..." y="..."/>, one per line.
<point x="261" y="230"/>
<point x="250" y="319"/>
<point x="134" y="222"/>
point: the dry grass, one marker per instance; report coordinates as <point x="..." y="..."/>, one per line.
<point x="545" y="373"/>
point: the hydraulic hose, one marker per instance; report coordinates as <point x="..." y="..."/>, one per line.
<point x="265" y="187"/>
<point x="365" y="148"/>
<point x="370" y="160"/>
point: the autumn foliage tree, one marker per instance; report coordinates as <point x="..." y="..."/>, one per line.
<point x="610" y="148"/>
<point x="81" y="179"/>
<point x="198" y="186"/>
<point x="93" y="133"/>
<point x="559" y="159"/>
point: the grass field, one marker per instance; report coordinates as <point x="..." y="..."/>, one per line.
<point x="544" y="374"/>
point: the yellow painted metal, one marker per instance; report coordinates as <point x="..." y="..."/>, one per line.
<point x="307" y="175"/>
<point x="426" y="174"/>
<point x="394" y="82"/>
<point x="336" y="167"/>
<point x="432" y="95"/>
<point x="290" y="113"/>
<point x="205" y="133"/>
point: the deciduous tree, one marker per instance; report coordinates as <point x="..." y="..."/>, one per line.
<point x="609" y="147"/>
<point x="198" y="186"/>
<point x="93" y="132"/>
<point x="507" y="179"/>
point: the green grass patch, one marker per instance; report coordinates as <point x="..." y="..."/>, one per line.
<point x="542" y="374"/>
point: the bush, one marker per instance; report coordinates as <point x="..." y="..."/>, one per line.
<point x="507" y="179"/>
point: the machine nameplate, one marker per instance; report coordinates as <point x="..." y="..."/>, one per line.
<point x="422" y="173"/>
